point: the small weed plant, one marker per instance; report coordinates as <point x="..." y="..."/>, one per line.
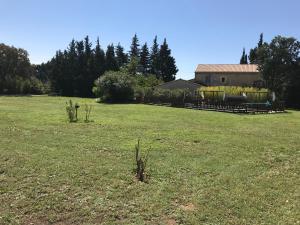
<point x="72" y="111"/>
<point x="87" y="109"/>
<point x="141" y="163"/>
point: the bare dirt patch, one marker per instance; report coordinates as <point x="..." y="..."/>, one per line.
<point x="188" y="207"/>
<point x="171" y="222"/>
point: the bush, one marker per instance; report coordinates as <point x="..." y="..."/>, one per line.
<point x="115" y="86"/>
<point x="139" y="94"/>
<point x="19" y="85"/>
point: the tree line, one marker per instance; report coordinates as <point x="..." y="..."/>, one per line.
<point x="279" y="64"/>
<point x="72" y="72"/>
<point x="17" y="75"/>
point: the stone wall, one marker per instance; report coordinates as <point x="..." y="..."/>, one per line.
<point x="227" y="79"/>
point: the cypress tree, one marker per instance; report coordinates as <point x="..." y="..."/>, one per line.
<point x="167" y="65"/>
<point x="145" y="59"/>
<point x="253" y="54"/>
<point x="261" y="40"/>
<point x="244" y="57"/>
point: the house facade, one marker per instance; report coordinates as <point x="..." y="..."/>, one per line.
<point x="228" y="75"/>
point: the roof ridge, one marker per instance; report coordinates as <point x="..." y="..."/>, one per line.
<point x="227" y="64"/>
<point x="227" y="68"/>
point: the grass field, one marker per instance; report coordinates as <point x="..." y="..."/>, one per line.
<point x="205" y="167"/>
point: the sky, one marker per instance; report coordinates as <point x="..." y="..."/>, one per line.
<point x="197" y="31"/>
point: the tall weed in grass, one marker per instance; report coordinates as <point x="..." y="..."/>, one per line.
<point x="141" y="163"/>
<point x="87" y="109"/>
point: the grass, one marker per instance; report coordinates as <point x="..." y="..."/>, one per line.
<point x="205" y="167"/>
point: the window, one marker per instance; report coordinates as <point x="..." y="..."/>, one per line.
<point x="223" y="79"/>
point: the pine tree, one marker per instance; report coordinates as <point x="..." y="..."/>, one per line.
<point x="134" y="48"/>
<point x="167" y="66"/>
<point x="111" y="62"/>
<point x="121" y="56"/>
<point x="71" y="68"/>
<point x="154" y="58"/>
<point x="87" y="47"/>
<point x="80" y="75"/>
<point x="99" y="60"/>
<point x="88" y="70"/>
<point x="145" y="59"/>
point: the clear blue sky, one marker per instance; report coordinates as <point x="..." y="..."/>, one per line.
<point x="198" y="31"/>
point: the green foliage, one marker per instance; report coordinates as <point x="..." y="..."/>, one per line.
<point x="121" y="56"/>
<point x="72" y="72"/>
<point x="166" y="63"/>
<point x="139" y="94"/>
<point x="71" y="110"/>
<point x="281" y="65"/>
<point x="134" y="48"/>
<point x="244" y="58"/>
<point x="133" y="66"/>
<point x="253" y="54"/>
<point x="115" y="86"/>
<point x="111" y="61"/>
<point x="219" y="92"/>
<point x="17" y="76"/>
<point x="154" y="58"/>
<point x="145" y="59"/>
<point x="147" y="80"/>
<point x="141" y="163"/>
<point x="99" y="60"/>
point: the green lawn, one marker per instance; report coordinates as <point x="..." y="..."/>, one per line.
<point x="205" y="167"/>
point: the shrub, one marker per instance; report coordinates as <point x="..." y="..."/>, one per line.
<point x="148" y="94"/>
<point x="115" y="86"/>
<point x="72" y="111"/>
<point x="19" y="85"/>
<point x="139" y="94"/>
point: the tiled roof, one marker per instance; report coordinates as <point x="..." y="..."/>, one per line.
<point x="233" y="68"/>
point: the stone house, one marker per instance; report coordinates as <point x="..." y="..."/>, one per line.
<point x="228" y="75"/>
